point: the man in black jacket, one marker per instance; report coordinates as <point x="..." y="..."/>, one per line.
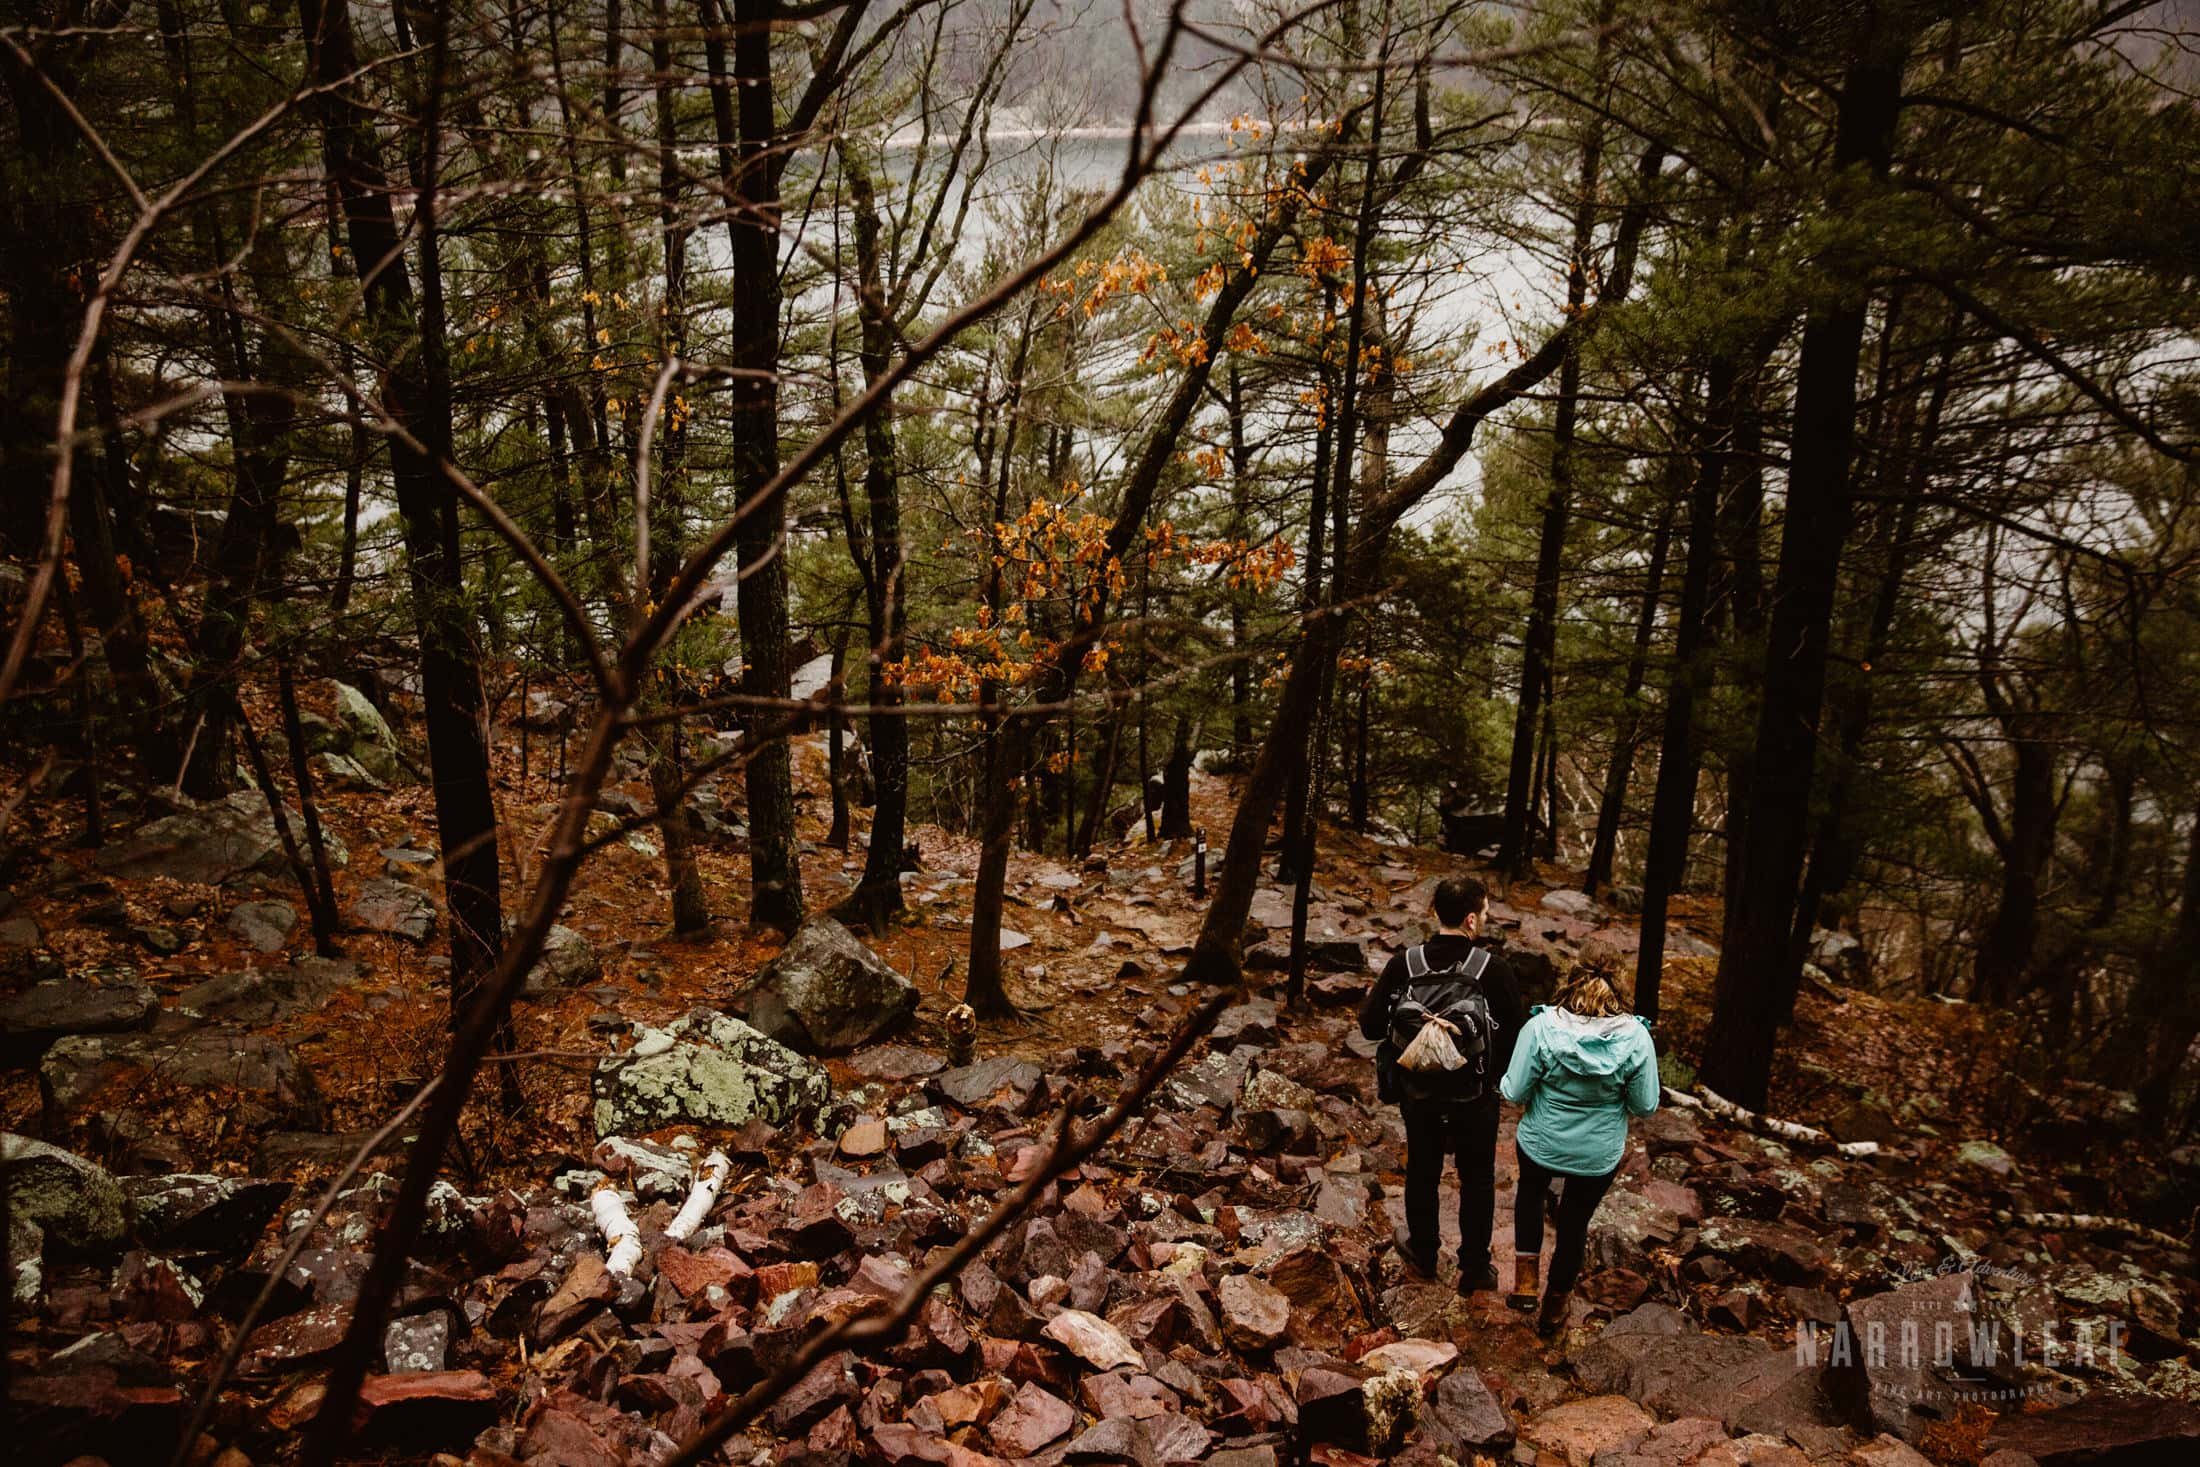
<point x="1436" y="1128"/>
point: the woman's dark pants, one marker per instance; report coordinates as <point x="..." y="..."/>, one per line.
<point x="1577" y="1204"/>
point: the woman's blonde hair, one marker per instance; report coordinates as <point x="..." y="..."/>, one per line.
<point x="1591" y="987"/>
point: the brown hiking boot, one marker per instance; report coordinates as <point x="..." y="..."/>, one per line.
<point x="1527" y="1271"/>
<point x="1551" y="1318"/>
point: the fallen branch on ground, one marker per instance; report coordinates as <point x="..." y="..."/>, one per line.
<point x="1740" y="1115"/>
<point x="700" y="1197"/>
<point x="622" y="1240"/>
<point x="2089" y="1222"/>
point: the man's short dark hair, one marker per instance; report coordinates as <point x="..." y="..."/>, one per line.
<point x="1458" y="898"/>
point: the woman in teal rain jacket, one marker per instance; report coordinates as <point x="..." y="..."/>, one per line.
<point x="1580" y="1069"/>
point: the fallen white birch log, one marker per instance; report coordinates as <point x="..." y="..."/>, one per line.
<point x="2089" y="1222"/>
<point x="1718" y="1105"/>
<point x="700" y="1197"/>
<point x="621" y="1238"/>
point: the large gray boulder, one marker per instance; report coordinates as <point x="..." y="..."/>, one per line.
<point x="44" y="1012"/>
<point x="1901" y="1358"/>
<point x="1656" y="1356"/>
<point x="370" y="742"/>
<point x="263" y="995"/>
<point x="221" y="841"/>
<point x="265" y="926"/>
<point x="255" y="1077"/>
<point x="568" y="960"/>
<point x="708" y="1069"/>
<point x="390" y="906"/>
<point x="73" y="1202"/>
<point x="200" y="1212"/>
<point x="826" y="993"/>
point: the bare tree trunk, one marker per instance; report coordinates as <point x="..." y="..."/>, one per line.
<point x="668" y="505"/>
<point x="1753" y="960"/>
<point x="985" y="988"/>
<point x="321" y="892"/>
<point x="1612" y="807"/>
<point x="1103" y="785"/>
<point x="417" y="396"/>
<point x="877" y="896"/>
<point x="836" y="756"/>
<point x="1241" y="666"/>
<point x="1673" y="802"/>
<point x="2156" y="1033"/>
<point x="775" y="875"/>
<point x="1539" y="648"/>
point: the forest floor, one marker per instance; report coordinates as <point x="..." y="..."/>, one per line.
<point x="1269" y="1161"/>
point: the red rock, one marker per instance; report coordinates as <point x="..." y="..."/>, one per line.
<point x="937" y="1338"/>
<point x="867" y="1137"/>
<point x="1325" y="1455"/>
<point x="1331" y="1405"/>
<point x="1157" y="1319"/>
<point x="968" y="1405"/>
<point x="1617" y="1289"/>
<point x="692" y="1273"/>
<point x="1424" y="1358"/>
<point x="899" y="1442"/>
<point x="1178" y="1438"/>
<point x="835" y="1305"/>
<point x="1255" y="1315"/>
<point x="1325" y="1309"/>
<point x="2101" y="1428"/>
<point x="1087" y="1201"/>
<point x="774" y="1279"/>
<point x="1031" y="1420"/>
<point x="1731" y="1310"/>
<point x="1014" y="1317"/>
<point x="830" y="1383"/>
<point x="977" y="1286"/>
<point x="51" y="1417"/>
<point x="1244" y="1408"/>
<point x="1092" y="1339"/>
<point x="562" y="1437"/>
<point x="297" y="1340"/>
<point x="836" y="1433"/>
<point x="1359" y="1345"/>
<point x="424" y="1409"/>
<point x="588" y="1287"/>
<point x="880" y="1275"/>
<point x="1578" y="1430"/>
<point x="818" y="1229"/>
<point x="1139" y="1397"/>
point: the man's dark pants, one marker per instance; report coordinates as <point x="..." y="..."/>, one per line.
<point x="1469" y="1132"/>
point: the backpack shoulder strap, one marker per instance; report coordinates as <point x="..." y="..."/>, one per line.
<point x="1476" y="964"/>
<point x="1416" y="963"/>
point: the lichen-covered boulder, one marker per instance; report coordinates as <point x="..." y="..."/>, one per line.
<point x="826" y="993"/>
<point x="388" y="905"/>
<point x="263" y="925"/>
<point x="568" y="960"/>
<point x="371" y="743"/>
<point x="44" y="1012"/>
<point x="73" y="1202"/>
<point x="200" y="1212"/>
<point x="708" y="1069"/>
<point x="256" y="1078"/>
<point x="220" y="841"/>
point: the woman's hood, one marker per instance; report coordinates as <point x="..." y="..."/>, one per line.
<point x="1592" y="1046"/>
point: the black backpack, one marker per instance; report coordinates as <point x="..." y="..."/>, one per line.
<point x="1454" y="995"/>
